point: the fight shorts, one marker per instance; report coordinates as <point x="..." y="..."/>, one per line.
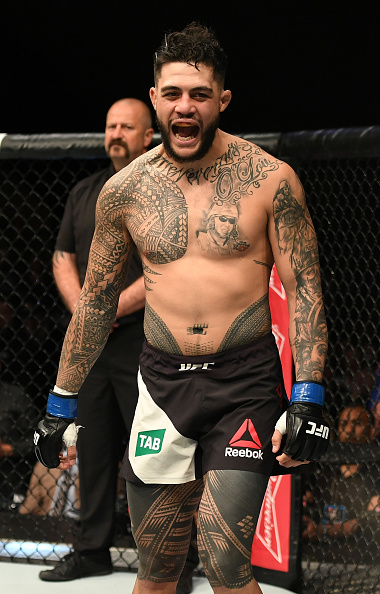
<point x="206" y="412"/>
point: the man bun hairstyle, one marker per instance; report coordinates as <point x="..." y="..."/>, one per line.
<point x="196" y="44"/>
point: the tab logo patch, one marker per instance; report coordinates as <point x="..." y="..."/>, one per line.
<point x="149" y="442"/>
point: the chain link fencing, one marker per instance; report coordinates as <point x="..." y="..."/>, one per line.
<point x="340" y="171"/>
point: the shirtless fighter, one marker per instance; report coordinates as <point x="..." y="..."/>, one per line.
<point x="210" y="213"/>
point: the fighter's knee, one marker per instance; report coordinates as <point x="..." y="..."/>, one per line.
<point x="159" y="568"/>
<point x="225" y="569"/>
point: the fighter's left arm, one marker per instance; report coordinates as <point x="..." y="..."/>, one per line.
<point x="295" y="250"/>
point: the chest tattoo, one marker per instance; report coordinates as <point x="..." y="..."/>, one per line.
<point x="159" y="212"/>
<point x="158" y="218"/>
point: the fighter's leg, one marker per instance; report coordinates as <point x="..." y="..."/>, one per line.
<point x="228" y="514"/>
<point x="162" y="517"/>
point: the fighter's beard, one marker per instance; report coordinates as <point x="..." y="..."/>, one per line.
<point x="207" y="138"/>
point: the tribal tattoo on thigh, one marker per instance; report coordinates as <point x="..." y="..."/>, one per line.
<point x="227" y="519"/>
<point x="162" y="521"/>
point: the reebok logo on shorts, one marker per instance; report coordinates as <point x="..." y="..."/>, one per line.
<point x="149" y="442"/>
<point x="245" y="437"/>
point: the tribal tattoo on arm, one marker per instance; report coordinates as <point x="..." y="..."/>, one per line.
<point x="93" y="318"/>
<point x="296" y="237"/>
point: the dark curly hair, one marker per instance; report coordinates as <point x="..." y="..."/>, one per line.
<point x="194" y="45"/>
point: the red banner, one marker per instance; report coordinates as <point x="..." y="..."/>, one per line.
<point x="271" y="543"/>
<point x="280" y="327"/>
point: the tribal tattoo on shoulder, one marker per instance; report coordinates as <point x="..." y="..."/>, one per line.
<point x="157" y="216"/>
<point x="296" y="237"/>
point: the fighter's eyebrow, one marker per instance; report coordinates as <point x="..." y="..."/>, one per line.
<point x="203" y="88"/>
<point x="169" y="88"/>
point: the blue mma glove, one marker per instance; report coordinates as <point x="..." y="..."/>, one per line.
<point x="303" y="422"/>
<point x="55" y="428"/>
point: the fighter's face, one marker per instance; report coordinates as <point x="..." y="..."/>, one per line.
<point x="188" y="102"/>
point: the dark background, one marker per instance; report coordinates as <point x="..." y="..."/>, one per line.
<point x="293" y="65"/>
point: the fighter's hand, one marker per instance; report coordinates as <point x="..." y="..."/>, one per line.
<point x="66" y="462"/>
<point x="307" y="434"/>
<point x="283" y="459"/>
<point x="55" y="429"/>
<point x="306" y="430"/>
<point x="49" y="437"/>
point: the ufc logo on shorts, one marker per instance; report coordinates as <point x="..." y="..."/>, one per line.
<point x="36" y="437"/>
<point x="192" y="366"/>
<point x="322" y="431"/>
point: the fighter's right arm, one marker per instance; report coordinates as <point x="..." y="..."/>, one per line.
<point x="90" y="324"/>
<point x="95" y="312"/>
<point x="66" y="276"/>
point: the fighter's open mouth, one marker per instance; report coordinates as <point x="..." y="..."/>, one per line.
<point x="185" y="131"/>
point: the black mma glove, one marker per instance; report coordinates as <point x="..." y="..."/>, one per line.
<point x="57" y="426"/>
<point x="306" y="430"/>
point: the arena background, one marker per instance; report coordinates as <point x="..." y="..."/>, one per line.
<point x="340" y="173"/>
<point x="293" y="66"/>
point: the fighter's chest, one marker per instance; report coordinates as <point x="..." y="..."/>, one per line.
<point x="168" y="219"/>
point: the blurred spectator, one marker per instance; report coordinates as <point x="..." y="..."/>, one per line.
<point x="18" y="417"/>
<point x="350" y="377"/>
<point x="52" y="492"/>
<point x="342" y="501"/>
<point x="374" y="404"/>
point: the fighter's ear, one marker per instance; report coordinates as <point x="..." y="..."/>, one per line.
<point x="153" y="97"/>
<point x="148" y="135"/>
<point x="225" y="98"/>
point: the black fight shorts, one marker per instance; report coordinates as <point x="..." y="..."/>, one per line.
<point x="207" y="412"/>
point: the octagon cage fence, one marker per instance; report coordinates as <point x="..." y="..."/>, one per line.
<point x="340" y="171"/>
